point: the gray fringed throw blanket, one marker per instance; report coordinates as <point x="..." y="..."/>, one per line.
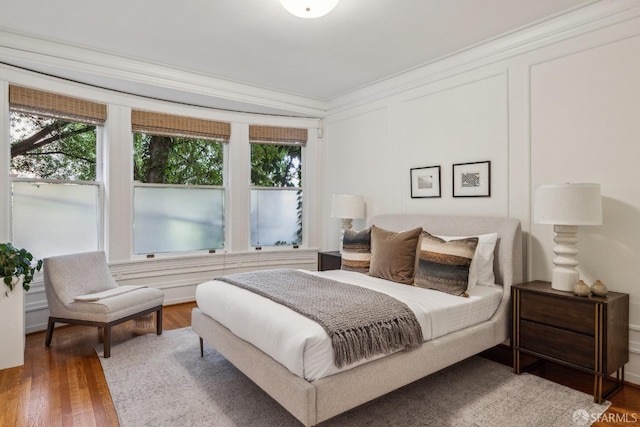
<point x="360" y="322"/>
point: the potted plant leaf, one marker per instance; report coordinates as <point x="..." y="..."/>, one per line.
<point x="15" y="264"/>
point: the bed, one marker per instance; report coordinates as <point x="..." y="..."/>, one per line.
<point x="314" y="393"/>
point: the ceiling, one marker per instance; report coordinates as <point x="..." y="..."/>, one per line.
<point x="258" y="43"/>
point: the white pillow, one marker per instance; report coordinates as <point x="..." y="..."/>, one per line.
<point x="481" y="269"/>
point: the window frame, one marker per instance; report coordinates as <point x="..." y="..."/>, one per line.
<point x="65" y="105"/>
<point x="99" y="182"/>
<point x="302" y="187"/>
<point x="225" y="213"/>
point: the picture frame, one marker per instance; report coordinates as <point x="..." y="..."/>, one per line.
<point x="425" y="182"/>
<point x="472" y="179"/>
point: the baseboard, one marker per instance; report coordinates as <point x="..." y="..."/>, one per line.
<point x="631" y="379"/>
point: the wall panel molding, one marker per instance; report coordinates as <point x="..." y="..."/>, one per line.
<point x="452" y="84"/>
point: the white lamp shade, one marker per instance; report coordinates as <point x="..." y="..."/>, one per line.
<point x="309" y="8"/>
<point x="347" y="206"/>
<point x="568" y="204"/>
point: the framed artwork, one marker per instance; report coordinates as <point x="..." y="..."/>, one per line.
<point x="472" y="179"/>
<point x="425" y="182"/>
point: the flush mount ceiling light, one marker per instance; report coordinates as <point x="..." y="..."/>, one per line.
<point x="309" y="8"/>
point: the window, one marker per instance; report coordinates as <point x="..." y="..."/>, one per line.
<point x="55" y="172"/>
<point x="276" y="180"/>
<point x="178" y="183"/>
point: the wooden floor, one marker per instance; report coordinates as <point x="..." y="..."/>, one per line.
<point x="64" y="385"/>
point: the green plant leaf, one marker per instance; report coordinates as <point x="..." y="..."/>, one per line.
<point x="15" y="262"/>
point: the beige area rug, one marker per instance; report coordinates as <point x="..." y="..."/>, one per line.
<point x="163" y="381"/>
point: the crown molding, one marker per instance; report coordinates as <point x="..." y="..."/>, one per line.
<point x="595" y="16"/>
<point x="42" y="54"/>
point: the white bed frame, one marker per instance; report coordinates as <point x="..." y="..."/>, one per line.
<point x="317" y="401"/>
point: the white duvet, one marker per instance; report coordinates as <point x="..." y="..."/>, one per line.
<point x="303" y="346"/>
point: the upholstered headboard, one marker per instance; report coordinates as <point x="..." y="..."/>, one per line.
<point x="507" y="254"/>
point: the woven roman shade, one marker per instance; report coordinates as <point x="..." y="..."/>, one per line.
<point x="277" y="135"/>
<point x="41" y="103"/>
<point x="180" y="126"/>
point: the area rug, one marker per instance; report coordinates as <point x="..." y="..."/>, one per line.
<point x="163" y="381"/>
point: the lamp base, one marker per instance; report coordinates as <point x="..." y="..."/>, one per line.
<point x="564" y="280"/>
<point x="347" y="223"/>
<point x="564" y="275"/>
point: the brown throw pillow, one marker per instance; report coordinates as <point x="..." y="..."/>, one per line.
<point x="444" y="265"/>
<point x="393" y="255"/>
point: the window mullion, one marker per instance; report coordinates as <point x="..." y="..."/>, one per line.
<point x="118" y="166"/>
<point x="238" y="189"/>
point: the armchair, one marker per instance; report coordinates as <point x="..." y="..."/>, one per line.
<point x="81" y="290"/>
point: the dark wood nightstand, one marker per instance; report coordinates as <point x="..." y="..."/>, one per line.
<point x="586" y="333"/>
<point x="329" y="260"/>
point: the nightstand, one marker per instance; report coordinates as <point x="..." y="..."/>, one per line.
<point x="330" y="260"/>
<point x="586" y="333"/>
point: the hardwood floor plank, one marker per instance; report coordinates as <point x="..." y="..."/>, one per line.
<point x="101" y="402"/>
<point x="63" y="385"/>
<point x="10" y="392"/>
<point x="64" y="392"/>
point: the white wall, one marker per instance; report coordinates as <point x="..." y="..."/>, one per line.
<point x="555" y="103"/>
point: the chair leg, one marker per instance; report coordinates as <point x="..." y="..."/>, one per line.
<point x="201" y="347"/>
<point x="159" y="321"/>
<point x="107" y="341"/>
<point x="47" y="341"/>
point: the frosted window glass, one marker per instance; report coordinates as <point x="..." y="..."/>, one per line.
<point x="51" y="219"/>
<point x="177" y="219"/>
<point x="274" y="217"/>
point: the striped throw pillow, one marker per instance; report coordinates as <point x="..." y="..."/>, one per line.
<point x="444" y="266"/>
<point x="356" y="250"/>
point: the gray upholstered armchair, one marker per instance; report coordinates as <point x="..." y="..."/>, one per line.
<point x="81" y="290"/>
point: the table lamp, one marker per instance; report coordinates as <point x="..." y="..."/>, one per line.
<point x="348" y="207"/>
<point x="567" y="206"/>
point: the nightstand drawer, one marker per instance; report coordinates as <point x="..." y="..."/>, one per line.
<point x="548" y="309"/>
<point x="559" y="343"/>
